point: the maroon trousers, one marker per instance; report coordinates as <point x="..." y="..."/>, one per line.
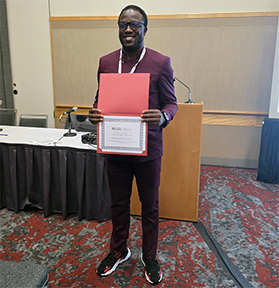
<point x="120" y="175"/>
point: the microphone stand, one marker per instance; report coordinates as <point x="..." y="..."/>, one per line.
<point x="69" y="133"/>
<point x="189" y="94"/>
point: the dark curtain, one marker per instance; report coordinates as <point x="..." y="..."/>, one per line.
<point x="268" y="168"/>
<point x="56" y="179"/>
<point x="6" y="93"/>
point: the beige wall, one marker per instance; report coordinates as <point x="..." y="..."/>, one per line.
<point x="212" y="56"/>
<point x="112" y="7"/>
<point x="274" y="98"/>
<point x="233" y="146"/>
<point x="29" y="37"/>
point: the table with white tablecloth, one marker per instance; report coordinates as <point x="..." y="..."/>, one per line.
<point x="41" y="168"/>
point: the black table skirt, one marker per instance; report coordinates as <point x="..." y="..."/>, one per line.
<point x="268" y="168"/>
<point x="55" y="179"/>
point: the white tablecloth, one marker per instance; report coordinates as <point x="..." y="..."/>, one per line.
<point x="42" y="137"/>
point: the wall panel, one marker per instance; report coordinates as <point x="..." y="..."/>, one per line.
<point x="227" y="62"/>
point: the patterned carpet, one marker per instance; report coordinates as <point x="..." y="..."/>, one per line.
<point x="243" y="216"/>
<point x="240" y="212"/>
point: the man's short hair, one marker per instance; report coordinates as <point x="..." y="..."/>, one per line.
<point x="134" y="7"/>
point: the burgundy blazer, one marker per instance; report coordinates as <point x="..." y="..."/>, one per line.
<point x="161" y="94"/>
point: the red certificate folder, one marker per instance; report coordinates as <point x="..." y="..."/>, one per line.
<point x="123" y="95"/>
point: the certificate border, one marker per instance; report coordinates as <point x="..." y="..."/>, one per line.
<point x="122" y="149"/>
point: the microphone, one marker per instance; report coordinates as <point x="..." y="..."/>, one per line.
<point x="70" y="111"/>
<point x="69" y="133"/>
<point x="189" y="94"/>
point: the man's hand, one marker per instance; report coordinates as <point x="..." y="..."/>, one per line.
<point x="151" y="116"/>
<point x="95" y="116"/>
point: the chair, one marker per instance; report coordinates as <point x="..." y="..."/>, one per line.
<point x="8" y="116"/>
<point x="81" y="123"/>
<point x="22" y="274"/>
<point x="33" y="120"/>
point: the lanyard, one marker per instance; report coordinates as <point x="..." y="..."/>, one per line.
<point x="135" y="66"/>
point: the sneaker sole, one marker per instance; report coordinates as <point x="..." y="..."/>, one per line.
<point x="146" y="275"/>
<point x="116" y="264"/>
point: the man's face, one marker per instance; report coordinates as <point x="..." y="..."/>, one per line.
<point x="129" y="38"/>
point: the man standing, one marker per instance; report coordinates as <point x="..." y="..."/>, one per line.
<point x="134" y="57"/>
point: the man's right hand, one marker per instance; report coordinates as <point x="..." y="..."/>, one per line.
<point x="95" y="116"/>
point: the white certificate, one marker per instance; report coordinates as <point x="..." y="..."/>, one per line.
<point x="122" y="135"/>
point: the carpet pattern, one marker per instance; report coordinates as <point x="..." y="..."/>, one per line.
<point x="240" y="212"/>
<point x="243" y="216"/>
<point x="72" y="249"/>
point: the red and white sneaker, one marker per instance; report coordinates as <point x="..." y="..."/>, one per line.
<point x="153" y="273"/>
<point x="110" y="263"/>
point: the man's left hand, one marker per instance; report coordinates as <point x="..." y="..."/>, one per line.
<point x="151" y="116"/>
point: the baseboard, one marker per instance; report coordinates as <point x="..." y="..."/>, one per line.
<point x="229" y="162"/>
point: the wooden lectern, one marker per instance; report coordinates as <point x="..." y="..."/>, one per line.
<point x="180" y="176"/>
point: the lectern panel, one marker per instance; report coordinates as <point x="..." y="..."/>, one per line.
<point x="180" y="176"/>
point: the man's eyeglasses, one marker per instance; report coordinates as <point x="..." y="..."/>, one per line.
<point x="134" y="25"/>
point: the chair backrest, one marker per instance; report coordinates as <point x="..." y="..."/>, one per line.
<point x="81" y="123"/>
<point x="33" y="120"/>
<point x="8" y="116"/>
